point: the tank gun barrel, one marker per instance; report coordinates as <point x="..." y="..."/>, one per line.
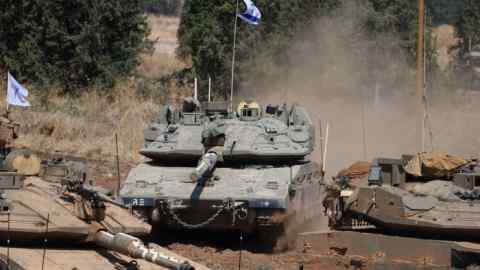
<point x="107" y="199"/>
<point x="134" y="247"/>
<point x="205" y="166"/>
<point x="89" y="192"/>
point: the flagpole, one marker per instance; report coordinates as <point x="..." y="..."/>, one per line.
<point x="7" y="91"/>
<point x="233" y="57"/>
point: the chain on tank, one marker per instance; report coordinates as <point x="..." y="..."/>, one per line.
<point x="227" y="204"/>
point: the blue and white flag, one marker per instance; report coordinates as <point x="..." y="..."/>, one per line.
<point x="16" y="93"/>
<point x="252" y="15"/>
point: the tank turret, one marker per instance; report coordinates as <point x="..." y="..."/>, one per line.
<point x="251" y="133"/>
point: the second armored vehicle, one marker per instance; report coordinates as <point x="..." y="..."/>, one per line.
<point x="214" y="169"/>
<point x="37" y="213"/>
<point x="433" y="195"/>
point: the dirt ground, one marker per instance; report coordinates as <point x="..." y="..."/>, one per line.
<point x="217" y="258"/>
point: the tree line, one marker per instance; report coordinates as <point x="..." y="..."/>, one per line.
<point x="75" y="44"/>
<point x="71" y="43"/>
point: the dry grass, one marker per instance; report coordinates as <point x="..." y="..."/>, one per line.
<point x="87" y="126"/>
<point x="163" y="27"/>
<point x="157" y="65"/>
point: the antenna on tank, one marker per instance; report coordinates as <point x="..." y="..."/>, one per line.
<point x="117" y="161"/>
<point x="324" y="158"/>
<point x="195" y="91"/>
<point x="209" y="89"/>
<point x="45" y="242"/>
<point x="8" y="240"/>
<point x="321" y="138"/>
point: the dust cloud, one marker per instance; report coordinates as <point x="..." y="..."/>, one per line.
<point x="363" y="85"/>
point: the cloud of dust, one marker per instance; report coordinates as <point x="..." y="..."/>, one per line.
<point x="362" y="84"/>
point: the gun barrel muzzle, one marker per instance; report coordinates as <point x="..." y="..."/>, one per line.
<point x="134" y="247"/>
<point x="205" y="166"/>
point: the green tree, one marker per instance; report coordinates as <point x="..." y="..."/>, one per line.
<point x="469" y="24"/>
<point x="72" y="43"/>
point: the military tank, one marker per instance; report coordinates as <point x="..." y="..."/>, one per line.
<point x="432" y="195"/>
<point x="212" y="169"/>
<point x="68" y="215"/>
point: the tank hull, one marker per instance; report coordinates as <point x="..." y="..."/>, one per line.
<point x="432" y="204"/>
<point x="398" y="210"/>
<point x="233" y="199"/>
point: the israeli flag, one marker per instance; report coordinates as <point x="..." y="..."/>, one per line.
<point x="16" y="93"/>
<point x="252" y="15"/>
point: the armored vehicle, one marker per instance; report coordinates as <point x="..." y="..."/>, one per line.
<point x="214" y="169"/>
<point x="430" y="195"/>
<point x="36" y="214"/>
<point x="413" y="212"/>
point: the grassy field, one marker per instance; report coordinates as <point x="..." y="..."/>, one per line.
<point x="87" y="126"/>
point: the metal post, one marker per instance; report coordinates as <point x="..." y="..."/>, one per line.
<point x="209" y="89"/>
<point x="118" y="167"/>
<point x="364" y="128"/>
<point x="8" y="240"/>
<point x="324" y="158"/>
<point x="420" y="61"/>
<point x="241" y="247"/>
<point x="233" y="57"/>
<point x="195" y="91"/>
<point x="45" y="242"/>
<point x="8" y="105"/>
<point x="322" y="140"/>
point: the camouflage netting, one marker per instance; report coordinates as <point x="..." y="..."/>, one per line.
<point x="434" y="164"/>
